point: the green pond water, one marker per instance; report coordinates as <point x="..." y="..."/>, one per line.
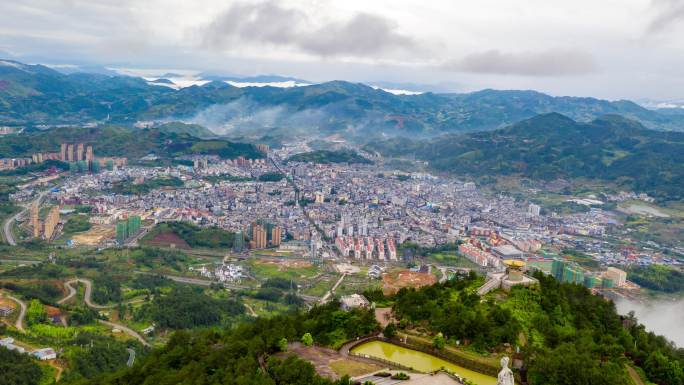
<point x="418" y="360"/>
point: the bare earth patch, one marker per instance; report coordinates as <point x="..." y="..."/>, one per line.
<point x="330" y="363"/>
<point x="383" y="315"/>
<point x="286" y="264"/>
<point x="392" y="283"/>
<point x="167" y="239"/>
<point x="352" y="368"/>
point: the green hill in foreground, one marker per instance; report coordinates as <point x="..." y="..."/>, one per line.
<point x="551" y="146"/>
<point x="567" y="336"/>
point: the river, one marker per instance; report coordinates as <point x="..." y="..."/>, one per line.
<point x="418" y="360"/>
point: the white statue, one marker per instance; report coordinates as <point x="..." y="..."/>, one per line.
<point x="505" y="375"/>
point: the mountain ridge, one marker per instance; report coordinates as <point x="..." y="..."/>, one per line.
<point x="550" y="146"/>
<point x="36" y="94"/>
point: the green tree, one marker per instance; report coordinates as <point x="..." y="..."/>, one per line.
<point x="282" y="344"/>
<point x="390" y="330"/>
<point x="439" y="342"/>
<point x="18" y="369"/>
<point x="307" y="339"/>
<point x="35" y="313"/>
<point x="663" y="371"/>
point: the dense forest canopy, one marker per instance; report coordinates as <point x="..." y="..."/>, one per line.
<point x="570" y="337"/>
<point x="611" y="149"/>
<point x="232" y="357"/>
<point x="659" y="278"/>
<point x="18" y="369"/>
<point x="327" y="156"/>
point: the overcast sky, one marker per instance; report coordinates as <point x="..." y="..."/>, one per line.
<point x="604" y="48"/>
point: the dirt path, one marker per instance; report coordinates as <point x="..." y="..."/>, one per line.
<point x="383" y="315"/>
<point x="326" y="360"/>
<point x="60" y="370"/>
<point x="251" y="310"/>
<point x="331" y="291"/>
<point x="634" y="375"/>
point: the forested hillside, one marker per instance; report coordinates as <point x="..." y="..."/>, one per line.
<point x="111" y="140"/>
<point x="553" y="146"/>
<point x="567" y="336"/>
<point x="35" y="94"/>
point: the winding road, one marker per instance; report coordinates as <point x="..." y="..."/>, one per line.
<point x="87" y="297"/>
<point x="7" y="226"/>
<point x="88" y="301"/>
<point x="131" y="357"/>
<point x="19" y="324"/>
<point x="126" y="330"/>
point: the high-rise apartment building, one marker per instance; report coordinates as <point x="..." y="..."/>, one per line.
<point x="33" y="218"/>
<point x="51" y="222"/>
<point x="70" y="153"/>
<point x="80" y="152"/>
<point x="238" y="241"/>
<point x="259" y="237"/>
<point x="121" y="231"/>
<point x="89" y="154"/>
<point x="276" y="235"/>
<point x="63" y="152"/>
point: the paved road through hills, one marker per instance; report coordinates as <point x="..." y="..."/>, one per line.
<point x="19" y="324"/>
<point x="88" y="301"/>
<point x="131" y="357"/>
<point x="7" y="227"/>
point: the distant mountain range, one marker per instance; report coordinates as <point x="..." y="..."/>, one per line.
<point x="550" y="146"/>
<point x="33" y="95"/>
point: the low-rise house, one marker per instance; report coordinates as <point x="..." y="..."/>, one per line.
<point x="8" y="343"/>
<point x="5" y="311"/>
<point x="45" y="354"/>
<point x="354" y="301"/>
<point x="375" y="272"/>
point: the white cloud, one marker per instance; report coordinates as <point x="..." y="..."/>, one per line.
<point x="270" y="23"/>
<point x="487" y="43"/>
<point x="541" y="63"/>
<point x="668" y="14"/>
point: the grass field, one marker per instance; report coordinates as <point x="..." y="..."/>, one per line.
<point x="450" y="259"/>
<point x="665" y="231"/>
<point x="264" y="308"/>
<point x="296" y="270"/>
<point x="347" y="367"/>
